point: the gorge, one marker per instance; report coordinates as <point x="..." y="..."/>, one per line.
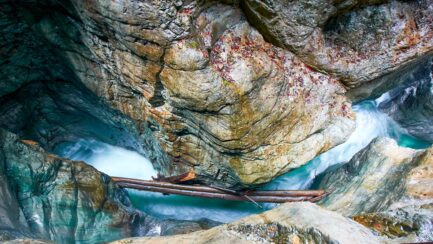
<point x="310" y="94"/>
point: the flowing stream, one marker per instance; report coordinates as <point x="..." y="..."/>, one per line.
<point x="116" y="161"/>
<point x="370" y="123"/>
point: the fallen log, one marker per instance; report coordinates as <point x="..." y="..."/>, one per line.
<point x="282" y="193"/>
<point x="276" y="196"/>
<point x="223" y="196"/>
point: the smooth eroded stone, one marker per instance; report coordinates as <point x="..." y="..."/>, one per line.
<point x="62" y="200"/>
<point x="387" y="188"/>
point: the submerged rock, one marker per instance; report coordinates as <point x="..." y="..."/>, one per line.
<point x="289" y="223"/>
<point x="387" y="188"/>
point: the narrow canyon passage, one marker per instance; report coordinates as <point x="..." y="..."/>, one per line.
<point x="116" y="161"/>
<point x="247" y="94"/>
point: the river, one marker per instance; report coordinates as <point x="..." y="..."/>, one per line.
<point x="116" y="161"/>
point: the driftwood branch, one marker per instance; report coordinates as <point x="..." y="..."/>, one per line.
<point x="278" y="196"/>
<point x="224" y="196"/>
<point x="177" y="178"/>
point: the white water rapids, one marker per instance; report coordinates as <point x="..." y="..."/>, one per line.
<point x="116" y="161"/>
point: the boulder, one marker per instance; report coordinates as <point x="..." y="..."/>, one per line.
<point x="289" y="223"/>
<point x="387" y="188"/>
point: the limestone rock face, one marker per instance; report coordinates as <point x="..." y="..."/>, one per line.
<point x="358" y="41"/>
<point x="385" y="187"/>
<point x="289" y="223"/>
<point x="204" y="88"/>
<point x="241" y="97"/>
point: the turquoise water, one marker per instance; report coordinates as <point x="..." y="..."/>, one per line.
<point x="370" y="123"/>
<point x="116" y="161"/>
<point x="412" y="142"/>
<point x="191" y="208"/>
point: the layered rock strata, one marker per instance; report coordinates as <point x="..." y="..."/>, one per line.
<point x="217" y="98"/>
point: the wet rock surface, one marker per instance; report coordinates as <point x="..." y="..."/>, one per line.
<point x="289" y="223"/>
<point x="238" y="91"/>
<point x="12" y="221"/>
<point x="63" y="200"/>
<point x="387" y="188"/>
<point x="55" y="112"/>
<point x="410" y="104"/>
<point x="47" y="197"/>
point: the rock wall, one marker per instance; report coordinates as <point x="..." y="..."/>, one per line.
<point x="51" y="198"/>
<point x="239" y="91"/>
<point x="410" y="104"/>
<point x="205" y="89"/>
<point x="217" y="98"/>
<point x="59" y="199"/>
<point x="357" y="41"/>
<point x="55" y="112"/>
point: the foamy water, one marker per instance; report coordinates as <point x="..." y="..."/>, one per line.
<point x="370" y="123"/>
<point x="112" y="160"/>
<point x="116" y="161"/>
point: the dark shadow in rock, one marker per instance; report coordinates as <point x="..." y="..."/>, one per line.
<point x="411" y="103"/>
<point x="58" y="111"/>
